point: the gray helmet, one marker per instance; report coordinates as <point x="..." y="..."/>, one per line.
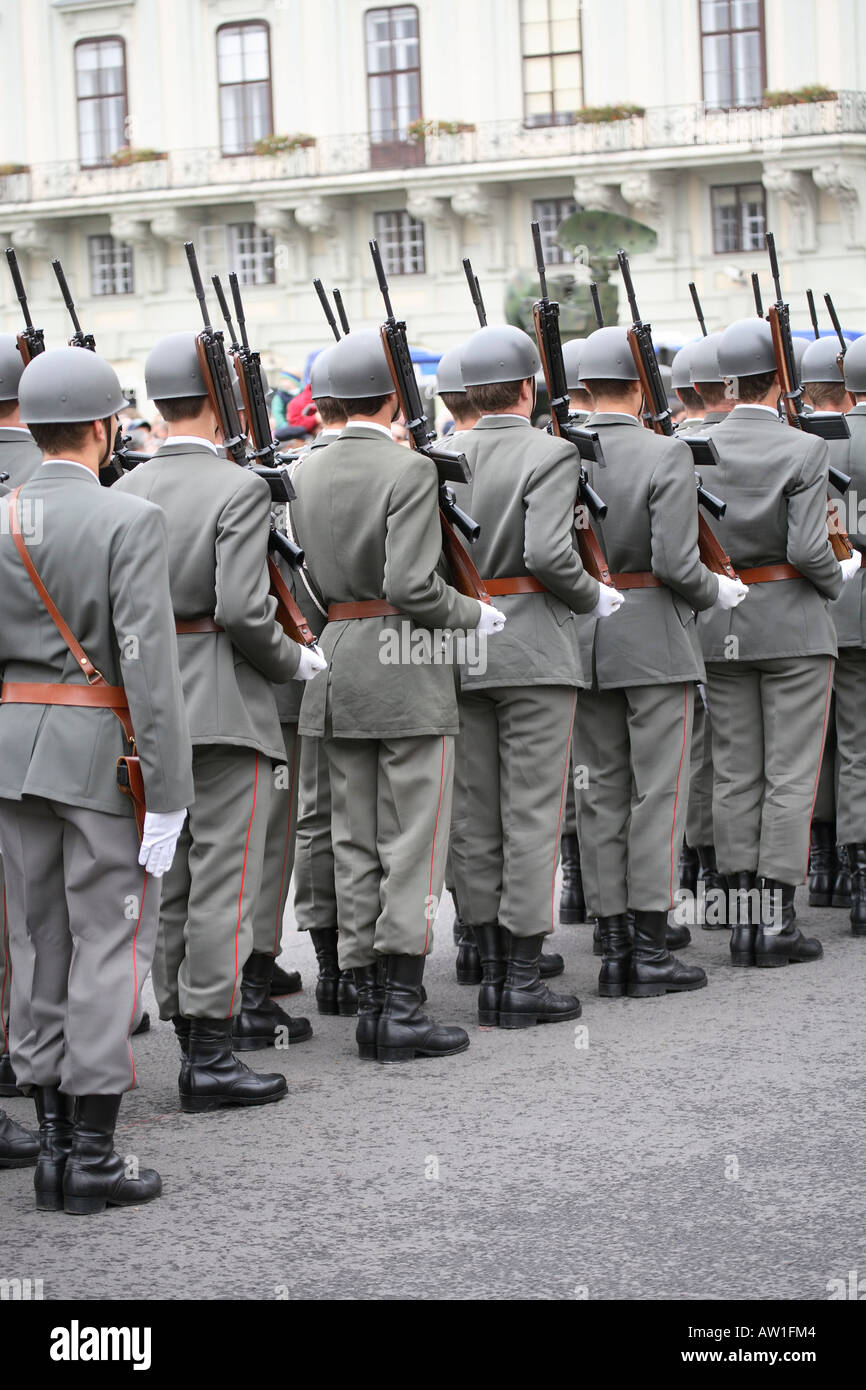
<point x="320" y="376"/>
<point x="855" y="365"/>
<point x="11" y="367"/>
<point x="681" y="367"/>
<point x="800" y="346"/>
<point x="68" y="385"/>
<point x="500" y="353"/>
<point x="449" y="372"/>
<point x="571" y="353"/>
<point x="357" y="367"/>
<point x="236" y="387"/>
<point x="746" y="348"/>
<point x="704" y="360"/>
<point x="819" y="361"/>
<point x="172" y="370"/>
<point x="606" y="356"/>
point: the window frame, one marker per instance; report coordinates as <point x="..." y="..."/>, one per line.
<point x="761" y="30"/>
<point x="232" y="233"/>
<point x="116" y="243"/>
<point x="530" y="120"/>
<point x="104" y="162"/>
<point x="392" y="73"/>
<point x="402" y="213"/>
<point x="737" y="188"/>
<point x="243" y="24"/>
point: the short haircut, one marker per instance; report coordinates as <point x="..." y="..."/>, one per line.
<point x="712" y="392"/>
<point x="331" y="411"/>
<point x="7" y="408"/>
<point x="826" y="395"/>
<point x="859" y="396"/>
<point x="364" y="405"/>
<point x="55" y="439"/>
<point x="690" y="398"/>
<point x="753" y="386"/>
<point x="580" y="399"/>
<point x="614" y="387"/>
<point x="181" y="408"/>
<point x="493" y="397"/>
<point x="457" y="402"/>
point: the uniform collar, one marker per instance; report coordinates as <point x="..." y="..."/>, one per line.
<point x="500" y="422"/>
<point x="68" y="470"/>
<point x="756" y="412"/>
<point x="356" y="430"/>
<point x="187" y="441"/>
<point x="612" y="417"/>
<point x="13" y="433"/>
<point x="858" y="409"/>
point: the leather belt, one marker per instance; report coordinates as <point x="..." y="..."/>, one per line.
<point x="95" y="696"/>
<point x="636" y="579"/>
<point x="520" y="584"/>
<point x="364" y="608"/>
<point x="185" y="625"/>
<point x="765" y="574"/>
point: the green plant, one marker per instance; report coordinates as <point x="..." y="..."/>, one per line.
<point x="420" y="129"/>
<point x="598" y="115"/>
<point x="800" y="96"/>
<point x="283" y="144"/>
<point x="128" y="155"/>
<point x="6" y="169"/>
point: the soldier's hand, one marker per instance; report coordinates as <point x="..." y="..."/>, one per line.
<point x="311" y="663"/>
<point x="609" y="601"/>
<point x="491" y="620"/>
<point x="159" y="841"/>
<point x="731" y="592"/>
<point x="850" y="566"/>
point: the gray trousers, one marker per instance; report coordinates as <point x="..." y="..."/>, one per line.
<point x="632" y="788"/>
<point x="209" y="894"/>
<point x="509" y="803"/>
<point x="769" y="724"/>
<point x="391" y="808"/>
<point x="279" y="854"/>
<point x="850" y="682"/>
<point x="89" y="912"/>
<point x="699" y="820"/>
<point x="5" y="967"/>
<point x="825" y="797"/>
<point x="315" y="888"/>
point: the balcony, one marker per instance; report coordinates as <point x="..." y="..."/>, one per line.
<point x="661" y="128"/>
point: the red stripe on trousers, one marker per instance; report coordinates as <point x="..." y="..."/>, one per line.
<point x="677" y="791"/>
<point x="559" y="818"/>
<point x="243" y="877"/>
<point x="433" y="850"/>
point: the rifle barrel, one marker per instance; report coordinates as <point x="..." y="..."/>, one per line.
<point x="539" y="259"/>
<point x="19" y="284"/>
<point x="622" y="258"/>
<point x="834" y="319"/>
<point x="774" y="265"/>
<point x="326" y="306"/>
<point x="380" y="276"/>
<point x="234" y="286"/>
<point x="596" y="304"/>
<point x="756" y="290"/>
<point x="341" y="310"/>
<point x="810" y="300"/>
<point x="224" y="309"/>
<point x="67" y="296"/>
<point x="192" y="259"/>
<point x="693" y="291"/>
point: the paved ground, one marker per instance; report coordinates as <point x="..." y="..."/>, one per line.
<point x="706" y="1146"/>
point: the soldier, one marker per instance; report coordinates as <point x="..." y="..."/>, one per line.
<point x="366" y="515"/>
<point x="231" y="652"/>
<point x="91" y="558"/>
<point x="827" y="390"/>
<point x="769" y="668"/>
<point x="634" y="724"/>
<point x="517" y="705"/>
<point x="681" y="383"/>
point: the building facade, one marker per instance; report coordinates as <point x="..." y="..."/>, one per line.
<point x="280" y="135"/>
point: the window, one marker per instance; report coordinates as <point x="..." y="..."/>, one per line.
<point x="100" y="85"/>
<point x="552" y="64"/>
<point x="244" y="67"/>
<point x="550" y="213"/>
<point x="732" y="52"/>
<point x="401" y="241"/>
<point x="239" y="246"/>
<point x="110" y="266"/>
<point x="739" y="218"/>
<point x="393" y="83"/>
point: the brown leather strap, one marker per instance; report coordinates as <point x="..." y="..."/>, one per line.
<point x="93" y="696"/>
<point x="184" y="625"/>
<point x="519" y="584"/>
<point x="367" y="608"/>
<point x="765" y="574"/>
<point x="637" y="579"/>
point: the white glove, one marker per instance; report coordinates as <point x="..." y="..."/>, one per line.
<point x="491" y="620"/>
<point x="311" y="663"/>
<point x="731" y="592"/>
<point x="609" y="601"/>
<point x="850" y="566"/>
<point x="159" y="841"/>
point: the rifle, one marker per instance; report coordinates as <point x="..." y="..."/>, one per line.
<point x="810" y="300"/>
<point x="658" y="418"/>
<point x="825" y="426"/>
<point x="344" y="322"/>
<point x="693" y="291"/>
<point x="756" y="290"/>
<point x="329" y="313"/>
<point x="32" y="341"/>
<point x="596" y="304"/>
<point x="475" y="291"/>
<point x="843" y="345"/>
<point x="215" y="370"/>
<point x="78" y="339"/>
<point x="452" y="468"/>
<point x="545" y="317"/>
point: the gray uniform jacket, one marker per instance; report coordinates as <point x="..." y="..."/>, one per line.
<point x="20" y="455"/>
<point x="774" y="481"/>
<point x="522" y="493"/>
<point x="849" y="610"/>
<point x="218" y="518"/>
<point x="648" y="483"/>
<point x="103" y="558"/>
<point x="367" y="516"/>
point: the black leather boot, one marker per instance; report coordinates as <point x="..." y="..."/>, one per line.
<point x="324" y="941"/>
<point x="842" y="883"/>
<point x="653" y="969"/>
<point x="347" y="995"/>
<point x="95" y="1176"/>
<point x="468" y="963"/>
<point x="8" y="1085"/>
<point x="285" y="982"/>
<point x="616" y="945"/>
<point x="181" y="1027"/>
<point x="550" y="964"/>
<point x="688" y="869"/>
<point x="857" y="860"/>
<point x="775" y="947"/>
<point x="677" y="938"/>
<point x="213" y="1076"/>
<point x="572" y="903"/>
<point x="55" y="1112"/>
<point x="492" y="948"/>
<point x="18" y="1147"/>
<point x="526" y="1000"/>
<point x="715" y="894"/>
<point x="822" y="863"/>
<point x="143" y="1025"/>
<point x="256" y="1026"/>
<point x="404" y="1031"/>
<point x="742" y="917"/>
<point x="371" y="996"/>
<point x="597" y="943"/>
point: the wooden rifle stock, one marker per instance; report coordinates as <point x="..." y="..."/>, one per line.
<point x="289" y="615"/>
